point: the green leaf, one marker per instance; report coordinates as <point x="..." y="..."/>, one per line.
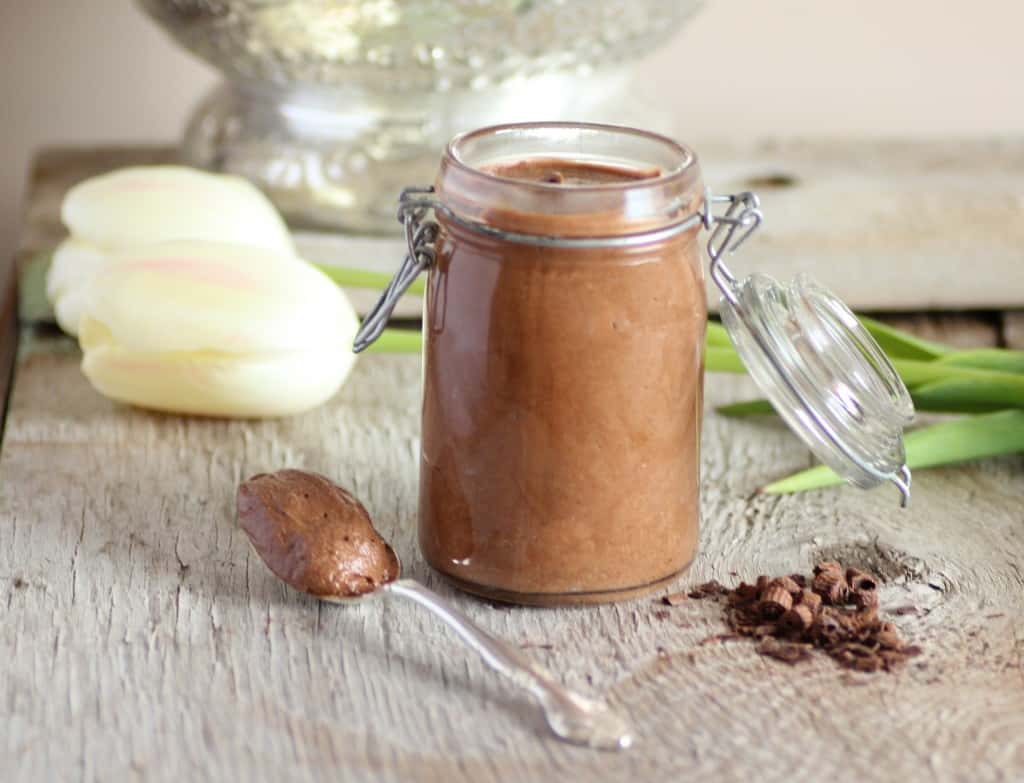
<point x="411" y="341"/>
<point x="718" y="359"/>
<point x="958" y="395"/>
<point x="747" y="408"/>
<point x="949" y="442"/>
<point x="362" y="278"/>
<point x="898" y="344"/>
<point x="917" y="373"/>
<point x="33" y="305"/>
<point x="953" y="395"/>
<point x="717" y="336"/>
<point x="948" y="386"/>
<point x="398" y="341"/>
<point x="1000" y="359"/>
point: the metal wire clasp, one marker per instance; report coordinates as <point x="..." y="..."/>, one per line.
<point x="420" y="233"/>
<point x="728" y="233"/>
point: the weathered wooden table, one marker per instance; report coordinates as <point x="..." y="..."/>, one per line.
<point x="142" y="639"/>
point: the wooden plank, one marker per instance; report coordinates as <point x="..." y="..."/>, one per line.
<point x="886" y="225"/>
<point x="1013" y="329"/>
<point x="8" y="331"/>
<point x="961" y="330"/>
<point x="143" y="640"/>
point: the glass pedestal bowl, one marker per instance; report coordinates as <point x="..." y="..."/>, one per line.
<point x="332" y="106"/>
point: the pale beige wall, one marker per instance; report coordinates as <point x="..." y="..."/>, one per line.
<point x="96" y="70"/>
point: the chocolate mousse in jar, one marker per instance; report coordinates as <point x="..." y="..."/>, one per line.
<point x="563" y="364"/>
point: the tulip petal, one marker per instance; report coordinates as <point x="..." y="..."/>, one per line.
<point x="211" y="296"/>
<point x="215" y="329"/>
<point x="158" y="203"/>
<point x="211" y="384"/>
<point x="75" y="262"/>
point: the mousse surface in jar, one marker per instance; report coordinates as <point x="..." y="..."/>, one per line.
<point x="562" y="386"/>
<point x="567" y="172"/>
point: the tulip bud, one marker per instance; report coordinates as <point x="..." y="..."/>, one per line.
<point x="215" y="329"/>
<point x="139" y="205"/>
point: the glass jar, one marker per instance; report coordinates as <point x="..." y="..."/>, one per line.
<point x="562" y="383"/>
<point x="563" y="371"/>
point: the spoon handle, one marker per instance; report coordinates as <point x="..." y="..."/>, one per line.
<point x="571" y="717"/>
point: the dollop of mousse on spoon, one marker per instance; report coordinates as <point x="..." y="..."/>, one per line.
<point x="314" y="535"/>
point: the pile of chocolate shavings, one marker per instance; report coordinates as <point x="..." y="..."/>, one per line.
<point x="835" y="611"/>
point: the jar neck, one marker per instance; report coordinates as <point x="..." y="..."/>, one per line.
<point x="569" y="180"/>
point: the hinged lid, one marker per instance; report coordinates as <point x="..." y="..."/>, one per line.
<point x="820" y="368"/>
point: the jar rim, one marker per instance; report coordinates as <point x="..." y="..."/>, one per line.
<point x="668" y="191"/>
<point x="688" y="158"/>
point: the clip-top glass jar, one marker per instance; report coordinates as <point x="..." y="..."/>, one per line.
<point x="564" y="330"/>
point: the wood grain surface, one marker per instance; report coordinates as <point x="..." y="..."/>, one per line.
<point x="145" y="641"/>
<point x="142" y="640"/>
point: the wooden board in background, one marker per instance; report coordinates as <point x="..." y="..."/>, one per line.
<point x="888" y="226"/>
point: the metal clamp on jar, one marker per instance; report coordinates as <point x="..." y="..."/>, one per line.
<point x="563" y="360"/>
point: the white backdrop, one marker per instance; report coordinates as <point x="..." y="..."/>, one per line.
<point x="96" y="70"/>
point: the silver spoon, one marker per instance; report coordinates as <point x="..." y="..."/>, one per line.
<point x="570" y="716"/>
<point x="319" y="539"/>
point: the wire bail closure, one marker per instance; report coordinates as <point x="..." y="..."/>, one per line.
<point x="420" y="235"/>
<point x="728" y="232"/>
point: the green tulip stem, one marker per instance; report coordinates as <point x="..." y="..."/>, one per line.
<point x="363" y="278"/>
<point x="957" y="440"/>
<point x="398" y="341"/>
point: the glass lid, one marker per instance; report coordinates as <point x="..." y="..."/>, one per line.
<point x="823" y="372"/>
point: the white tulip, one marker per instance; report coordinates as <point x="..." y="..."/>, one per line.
<point x="216" y="329"/>
<point x="143" y="204"/>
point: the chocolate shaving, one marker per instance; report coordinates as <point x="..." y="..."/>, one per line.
<point x="674" y="599"/>
<point x="789" y="584"/>
<point x="720" y="637"/>
<point x="865" y="599"/>
<point x="787" y="652"/>
<point x="712" y="589"/>
<point x="834" y="611"/>
<point x="775" y="601"/>
<point x="900" y="611"/>
<point x="860" y="580"/>
<point x="708" y="590"/>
